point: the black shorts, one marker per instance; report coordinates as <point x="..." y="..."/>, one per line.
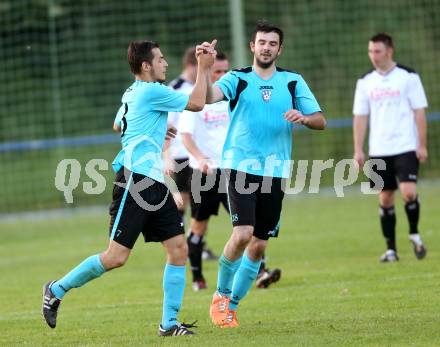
<point x="208" y="201"/>
<point x="183" y="177"/>
<point x="260" y="207"/>
<point x="153" y="213"/>
<point x="404" y="167"/>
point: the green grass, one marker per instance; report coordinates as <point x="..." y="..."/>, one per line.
<point x="333" y="291"/>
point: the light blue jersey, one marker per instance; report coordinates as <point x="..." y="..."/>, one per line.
<point x="145" y="107"/>
<point x="118" y="118"/>
<point x="259" y="139"/>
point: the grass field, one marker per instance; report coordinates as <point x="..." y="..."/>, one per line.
<point x="333" y="290"/>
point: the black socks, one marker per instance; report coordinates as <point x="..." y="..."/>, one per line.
<point x="388" y="223"/>
<point x="195" y="249"/>
<point x="412" y="209"/>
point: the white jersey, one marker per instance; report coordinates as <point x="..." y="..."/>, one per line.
<point x="208" y="129"/>
<point x="390" y="101"/>
<point x="177" y="149"/>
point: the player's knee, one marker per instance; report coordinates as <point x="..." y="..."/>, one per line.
<point x="120" y="261"/>
<point x="259" y="249"/>
<point x="387" y="199"/>
<point x="409" y="196"/>
<point x="113" y="261"/>
<point x="199" y="227"/>
<point x="182" y="250"/>
<point x="179" y="252"/>
<point x="256" y="248"/>
<point x="243" y="235"/>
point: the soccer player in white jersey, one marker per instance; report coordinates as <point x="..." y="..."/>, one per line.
<point x="264" y="102"/>
<point x="203" y="134"/>
<point x="175" y="154"/>
<point x="141" y="201"/>
<point x="390" y="100"/>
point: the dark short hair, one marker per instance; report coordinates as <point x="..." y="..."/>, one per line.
<point x="138" y="52"/>
<point x="189" y="57"/>
<point x="385" y="38"/>
<point x="265" y="27"/>
<point x="221" y="56"/>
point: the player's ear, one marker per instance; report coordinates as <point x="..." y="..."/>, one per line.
<point x="252" y="46"/>
<point x="390" y="52"/>
<point x="145" y="66"/>
<point x="280" y="50"/>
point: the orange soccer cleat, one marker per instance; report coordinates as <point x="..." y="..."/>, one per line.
<point x="231" y="320"/>
<point x="219" y="309"/>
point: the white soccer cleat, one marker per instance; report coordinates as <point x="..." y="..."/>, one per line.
<point x="389" y="256"/>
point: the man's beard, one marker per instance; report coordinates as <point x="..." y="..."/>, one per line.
<point x="159" y="80"/>
<point x="264" y="65"/>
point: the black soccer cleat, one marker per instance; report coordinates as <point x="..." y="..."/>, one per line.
<point x="177" y="330"/>
<point x="419" y="250"/>
<point x="266" y="277"/>
<point x="50" y="305"/>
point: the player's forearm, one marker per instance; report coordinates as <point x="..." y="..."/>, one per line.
<point x="165" y="149"/>
<point x="316" y="121"/>
<point x="198" y="96"/>
<point x="208" y="89"/>
<point x="215" y="94"/>
<point x="360" y="124"/>
<point x="191" y="146"/>
<point x="421" y="126"/>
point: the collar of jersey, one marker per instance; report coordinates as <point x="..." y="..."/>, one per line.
<point x="262" y="79"/>
<point x="136" y="80"/>
<point x="388" y="72"/>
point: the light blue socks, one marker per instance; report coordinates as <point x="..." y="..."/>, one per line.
<point x="245" y="276"/>
<point x="88" y="270"/>
<point x="226" y="273"/>
<point x="174" y="278"/>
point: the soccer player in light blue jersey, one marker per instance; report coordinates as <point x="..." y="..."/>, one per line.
<point x="264" y="102"/>
<point x="141" y="202"/>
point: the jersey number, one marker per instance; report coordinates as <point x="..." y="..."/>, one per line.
<point x="124" y="120"/>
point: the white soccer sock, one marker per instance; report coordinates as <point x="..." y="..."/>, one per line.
<point x="416" y="239"/>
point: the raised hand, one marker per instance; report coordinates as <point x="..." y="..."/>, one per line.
<point x="206" y="47"/>
<point x="206" y="53"/>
